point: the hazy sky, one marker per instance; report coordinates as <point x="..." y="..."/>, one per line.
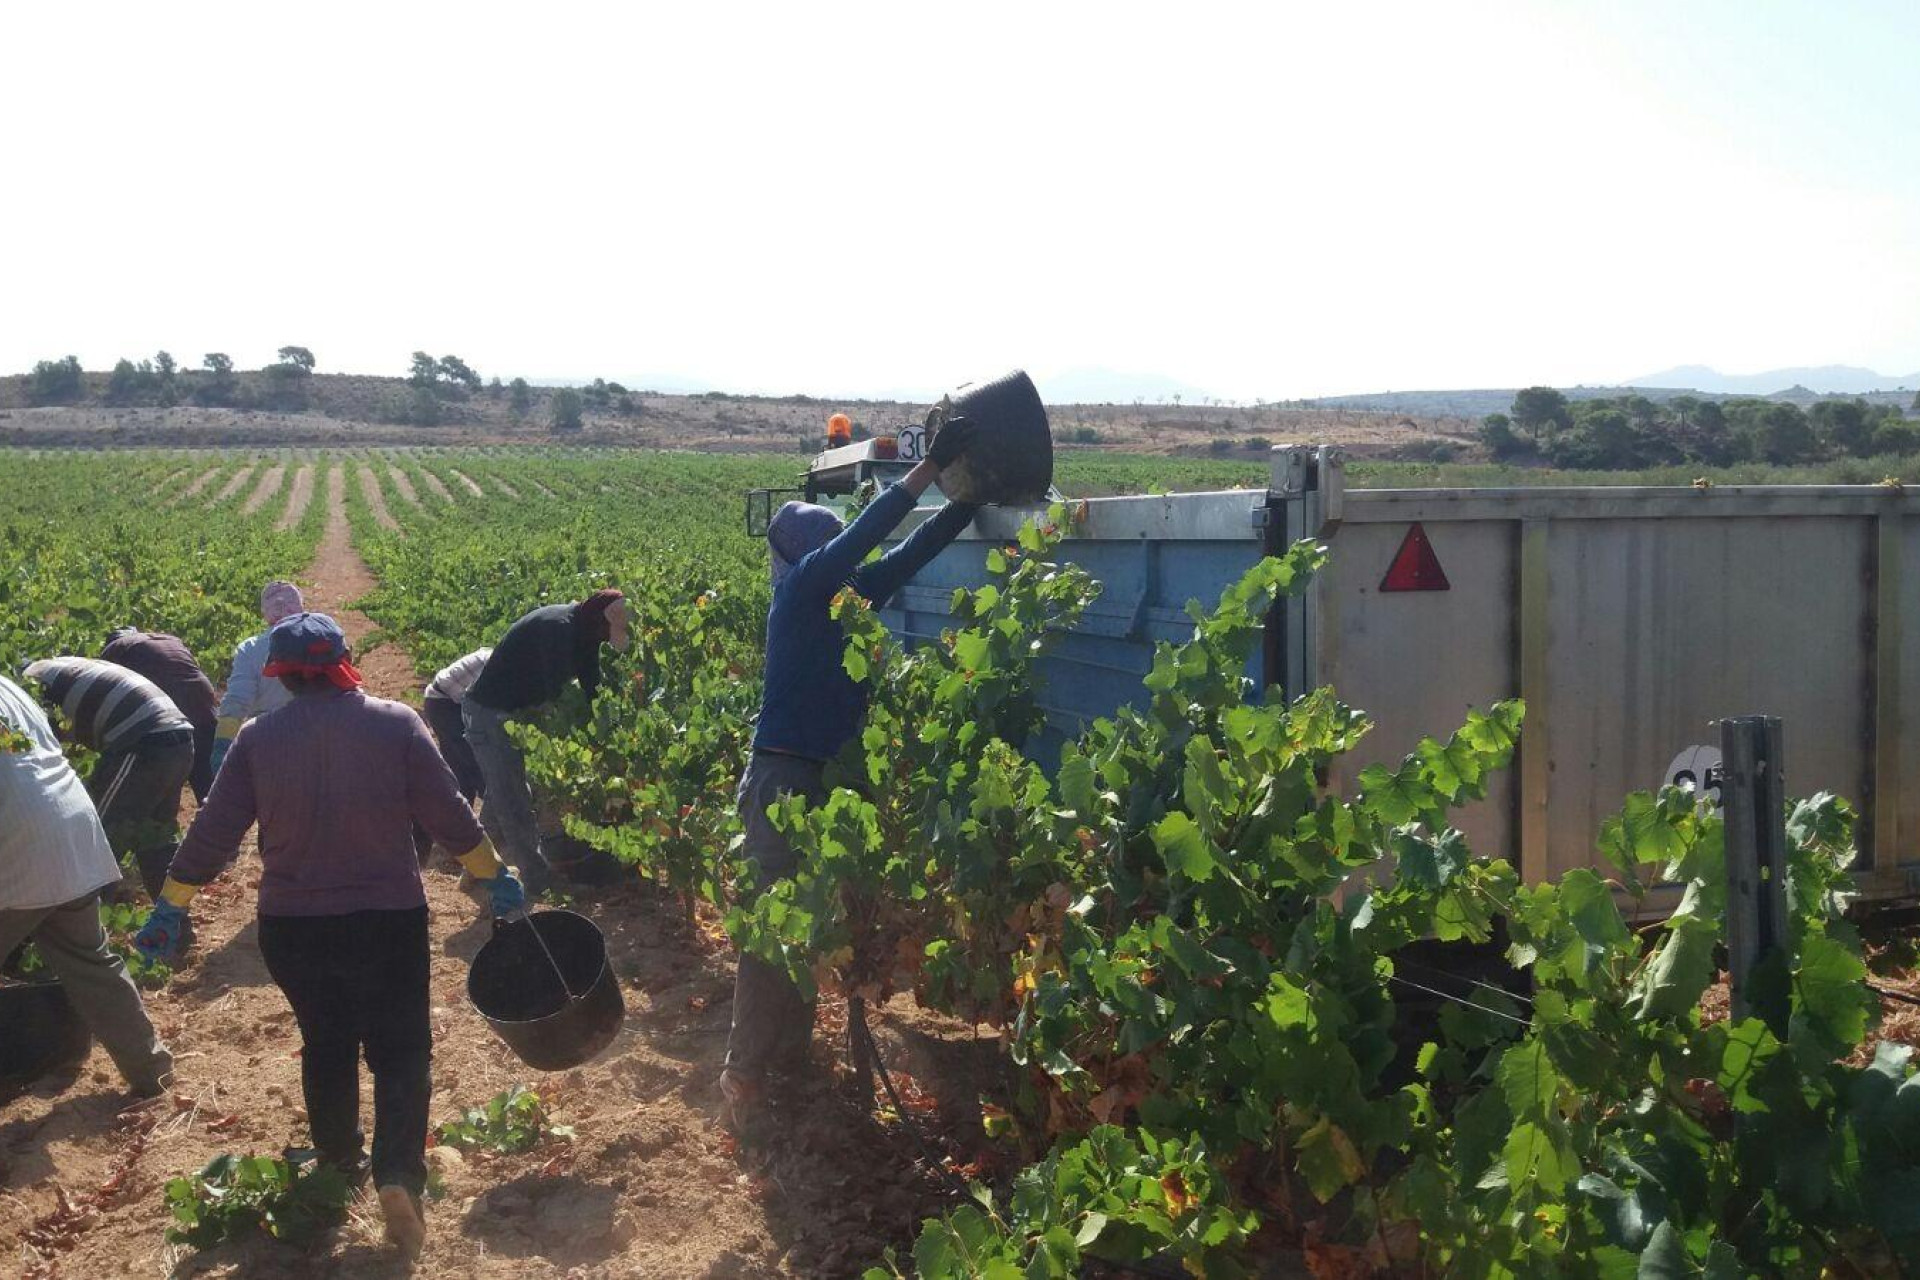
<point x="1261" y="200"/>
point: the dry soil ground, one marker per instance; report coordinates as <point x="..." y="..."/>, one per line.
<point x="651" y="1185"/>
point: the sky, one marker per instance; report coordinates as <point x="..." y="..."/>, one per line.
<point x="1256" y="201"/>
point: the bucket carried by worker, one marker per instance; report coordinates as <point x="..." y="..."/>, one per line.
<point x="1011" y="460"/>
<point x="543" y="983"/>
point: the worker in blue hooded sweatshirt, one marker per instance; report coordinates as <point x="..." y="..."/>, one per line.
<point x="811" y="708"/>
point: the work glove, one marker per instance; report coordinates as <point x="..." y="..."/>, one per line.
<point x="160" y="937"/>
<point x="951" y="441"/>
<point x="504" y="890"/>
<point x="507" y="895"/>
<point x="224" y="732"/>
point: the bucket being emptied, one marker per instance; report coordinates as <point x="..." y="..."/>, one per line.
<point x="1011" y="459"/>
<point x="550" y="995"/>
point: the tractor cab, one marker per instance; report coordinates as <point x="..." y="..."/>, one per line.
<point x="845" y="471"/>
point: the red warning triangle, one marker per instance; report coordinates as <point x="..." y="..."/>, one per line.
<point x="1415" y="567"/>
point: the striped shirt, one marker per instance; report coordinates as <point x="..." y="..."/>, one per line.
<point x="457" y="677"/>
<point x="52" y="850"/>
<point x="110" y="707"/>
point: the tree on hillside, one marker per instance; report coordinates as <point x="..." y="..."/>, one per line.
<point x="299" y="357"/>
<point x="1535" y="408"/>
<point x="457" y="371"/>
<point x="1506" y="444"/>
<point x="566" y="410"/>
<point x="127" y="382"/>
<point x="54" y="381"/>
<point x="425" y="371"/>
<point x="165" y="364"/>
<point x="519" y="397"/>
<point x="219" y="388"/>
<point x="1843" y="426"/>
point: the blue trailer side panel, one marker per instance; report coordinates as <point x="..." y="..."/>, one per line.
<point x="1146" y="576"/>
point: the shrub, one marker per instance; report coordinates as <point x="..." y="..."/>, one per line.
<point x="1258" y="444"/>
<point x="1220" y="446"/>
<point x="54" y="381"/>
<point x="519" y="397"/>
<point x="1502" y="441"/>
<point x="566" y="412"/>
<point x="1085" y="435"/>
<point x="1894" y="436"/>
<point x="424" y="409"/>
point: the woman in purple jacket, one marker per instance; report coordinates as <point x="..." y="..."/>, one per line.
<point x="336" y="780"/>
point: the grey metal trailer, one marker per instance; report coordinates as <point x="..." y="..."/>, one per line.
<point x="1629" y="619"/>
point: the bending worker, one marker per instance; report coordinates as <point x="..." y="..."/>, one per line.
<point x="146" y="756"/>
<point x="441" y="710"/>
<point x="248" y="694"/>
<point x="811" y="708"/>
<point x="336" y="779"/>
<point x="530" y="667"/>
<point x="54" y="860"/>
<point x="167" y="661"/>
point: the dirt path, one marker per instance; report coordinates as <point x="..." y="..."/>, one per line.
<point x="504" y="487"/>
<point x="404" y="485"/>
<point x="649" y="1186"/>
<point x="167" y="483"/>
<point x="297" y="498"/>
<point x="376" y="500"/>
<point x="270" y="481"/>
<point x="541" y="489"/>
<point x="472" y="487"/>
<point x="234" y="484"/>
<point x="436" y="485"/>
<point x="202" y="481"/>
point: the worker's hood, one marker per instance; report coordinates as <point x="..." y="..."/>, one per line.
<point x="797" y="530"/>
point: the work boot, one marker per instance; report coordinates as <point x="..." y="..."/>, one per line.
<point x="739" y="1101"/>
<point x="406" y="1226"/>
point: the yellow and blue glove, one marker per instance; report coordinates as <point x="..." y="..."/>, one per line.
<point x="160" y="938"/>
<point x="225" y="730"/>
<point x="504" y="889"/>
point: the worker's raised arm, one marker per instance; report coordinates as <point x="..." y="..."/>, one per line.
<point x="831" y="567"/>
<point x="879" y="580"/>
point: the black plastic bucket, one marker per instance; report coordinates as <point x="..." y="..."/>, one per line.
<point x="44" y="1032"/>
<point x="549" y="1026"/>
<point x="1011" y="460"/>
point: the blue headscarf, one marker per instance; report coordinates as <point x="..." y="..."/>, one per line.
<point x="796" y="530"/>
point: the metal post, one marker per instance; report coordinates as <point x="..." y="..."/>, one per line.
<point x="1756" y="842"/>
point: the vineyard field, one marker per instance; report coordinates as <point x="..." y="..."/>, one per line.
<point x="1165" y="1009"/>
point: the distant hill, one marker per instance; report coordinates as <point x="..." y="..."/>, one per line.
<point x="1826" y="379"/>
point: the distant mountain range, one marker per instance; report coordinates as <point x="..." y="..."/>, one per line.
<point x="1826" y="380"/>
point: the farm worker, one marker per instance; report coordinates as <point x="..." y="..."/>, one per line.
<point x="146" y="756"/>
<point x="54" y="860"/>
<point x="167" y="661"/>
<point x="441" y="709"/>
<point x="247" y="694"/>
<point x="810" y="709"/>
<point x="336" y="779"/>
<point x="529" y="668"/>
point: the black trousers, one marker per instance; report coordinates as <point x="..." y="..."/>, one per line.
<point x="450" y="731"/>
<point x="359" y="982"/>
